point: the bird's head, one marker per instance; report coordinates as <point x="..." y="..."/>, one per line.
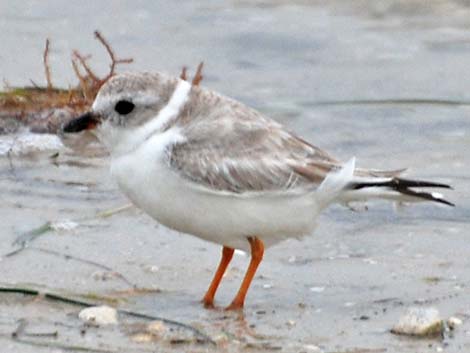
<point x="126" y="103"/>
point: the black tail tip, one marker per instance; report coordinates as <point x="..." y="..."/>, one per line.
<point x="445" y="202"/>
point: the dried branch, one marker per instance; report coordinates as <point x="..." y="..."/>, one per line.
<point x="70" y="97"/>
<point x="47" y="68"/>
<point x="89" y="82"/>
<point x="89" y="87"/>
<point x="34" y="84"/>
<point x="183" y="75"/>
<point x="83" y="61"/>
<point x="114" y="60"/>
<point x="81" y="80"/>
<point x="198" y="76"/>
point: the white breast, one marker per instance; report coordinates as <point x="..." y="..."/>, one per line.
<point x="145" y="177"/>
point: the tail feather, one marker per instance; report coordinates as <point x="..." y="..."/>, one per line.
<point x="402" y="187"/>
<point x="335" y="183"/>
<point x="378" y="173"/>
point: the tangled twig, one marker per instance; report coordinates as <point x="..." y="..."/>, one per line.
<point x="183" y="74"/>
<point x="89" y="82"/>
<point x="25" y="103"/>
<point x="83" y="61"/>
<point x="114" y="60"/>
<point x="47" y="68"/>
<point x="198" y="76"/>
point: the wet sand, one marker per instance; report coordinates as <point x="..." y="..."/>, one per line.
<point x="314" y="67"/>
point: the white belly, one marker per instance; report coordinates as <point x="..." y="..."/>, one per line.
<point x="223" y="218"/>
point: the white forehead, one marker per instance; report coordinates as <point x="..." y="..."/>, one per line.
<point x="139" y="98"/>
<point x="139" y="87"/>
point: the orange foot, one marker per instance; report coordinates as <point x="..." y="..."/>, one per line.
<point x="208" y="303"/>
<point x="234" y="306"/>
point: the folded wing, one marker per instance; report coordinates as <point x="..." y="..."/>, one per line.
<point x="241" y="156"/>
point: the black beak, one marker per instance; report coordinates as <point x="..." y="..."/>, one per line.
<point x="86" y="121"/>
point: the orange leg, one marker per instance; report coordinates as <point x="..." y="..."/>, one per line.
<point x="257" y="251"/>
<point x="227" y="254"/>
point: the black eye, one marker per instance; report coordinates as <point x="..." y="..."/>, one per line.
<point x="124" y="107"/>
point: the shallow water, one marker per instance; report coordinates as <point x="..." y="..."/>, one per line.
<point x="340" y="290"/>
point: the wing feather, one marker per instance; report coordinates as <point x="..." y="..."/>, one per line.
<point x="231" y="147"/>
<point x="248" y="153"/>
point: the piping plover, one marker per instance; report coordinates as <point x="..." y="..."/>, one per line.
<point x="204" y="164"/>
